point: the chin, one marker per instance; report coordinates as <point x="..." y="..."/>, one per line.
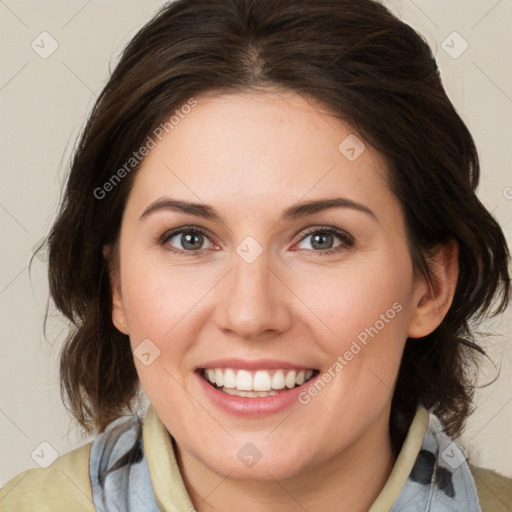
<point x="250" y="463"/>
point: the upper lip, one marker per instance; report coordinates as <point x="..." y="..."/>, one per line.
<point x="254" y="364"/>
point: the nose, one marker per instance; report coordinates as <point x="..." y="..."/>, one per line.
<point x="254" y="301"/>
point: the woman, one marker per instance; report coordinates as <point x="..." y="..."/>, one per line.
<point x="271" y="224"/>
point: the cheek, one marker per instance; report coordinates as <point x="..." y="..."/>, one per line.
<point x="362" y="317"/>
<point x="357" y="296"/>
<point x="159" y="306"/>
<point x="157" y="297"/>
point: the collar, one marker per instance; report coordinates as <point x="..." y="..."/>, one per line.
<point x="404" y="462"/>
<point x="170" y="491"/>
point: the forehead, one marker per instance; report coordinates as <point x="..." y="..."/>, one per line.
<point x="261" y="149"/>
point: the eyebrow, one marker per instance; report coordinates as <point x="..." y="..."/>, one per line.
<point x="296" y="211"/>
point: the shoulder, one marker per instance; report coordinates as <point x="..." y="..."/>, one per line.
<point x="63" y="486"/>
<point x="494" y="490"/>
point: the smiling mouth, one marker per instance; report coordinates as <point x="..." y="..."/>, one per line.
<point x="255" y="384"/>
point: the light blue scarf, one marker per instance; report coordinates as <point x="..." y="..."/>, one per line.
<point x="440" y="480"/>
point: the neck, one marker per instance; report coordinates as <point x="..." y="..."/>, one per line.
<point x="348" y="481"/>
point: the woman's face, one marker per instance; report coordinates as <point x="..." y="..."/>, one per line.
<point x="256" y="291"/>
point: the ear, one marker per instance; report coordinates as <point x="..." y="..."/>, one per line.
<point x="432" y="301"/>
<point x="118" y="312"/>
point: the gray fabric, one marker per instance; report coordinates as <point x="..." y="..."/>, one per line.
<point x="440" y="480"/>
<point x="118" y="470"/>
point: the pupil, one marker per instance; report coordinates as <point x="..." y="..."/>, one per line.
<point x="322" y="238"/>
<point x="187" y="241"/>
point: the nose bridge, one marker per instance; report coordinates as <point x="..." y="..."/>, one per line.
<point x="252" y="269"/>
<point x="255" y="299"/>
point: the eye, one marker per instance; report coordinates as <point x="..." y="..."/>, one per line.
<point x="191" y="239"/>
<point x="323" y="240"/>
<point x="186" y="239"/>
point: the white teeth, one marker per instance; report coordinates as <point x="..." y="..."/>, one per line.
<point x="243" y="380"/>
<point x="251" y="394"/>
<point x="259" y="383"/>
<point x="278" y="380"/>
<point x="229" y="379"/>
<point x="262" y="381"/>
<point x="301" y="377"/>
<point x="219" y="378"/>
<point x="290" y="379"/>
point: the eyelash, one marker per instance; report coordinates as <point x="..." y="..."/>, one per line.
<point x="346" y="239"/>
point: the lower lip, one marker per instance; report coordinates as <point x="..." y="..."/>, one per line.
<point x="256" y="406"/>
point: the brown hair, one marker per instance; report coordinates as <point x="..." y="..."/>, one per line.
<point x="369" y="69"/>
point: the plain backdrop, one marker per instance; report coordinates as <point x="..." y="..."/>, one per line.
<point x="44" y="101"/>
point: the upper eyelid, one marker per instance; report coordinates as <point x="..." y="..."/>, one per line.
<point x="329" y="229"/>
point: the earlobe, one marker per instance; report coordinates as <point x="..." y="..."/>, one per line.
<point x="118" y="313"/>
<point x="433" y="300"/>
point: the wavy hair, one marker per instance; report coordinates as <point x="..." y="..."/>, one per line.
<point x="369" y="69"/>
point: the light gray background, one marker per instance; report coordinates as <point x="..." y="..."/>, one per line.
<point x="44" y="102"/>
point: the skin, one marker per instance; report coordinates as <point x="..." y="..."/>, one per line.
<point x="250" y="156"/>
